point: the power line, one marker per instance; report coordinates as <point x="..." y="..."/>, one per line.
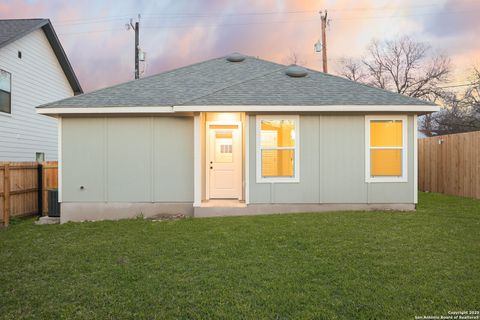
<point x="189" y="15"/>
<point x="87" y="20"/>
<point x="266" y="22"/>
<point x="92" y="31"/>
<point x="227" y="24"/>
<point x="460" y="85"/>
<point x="405" y="16"/>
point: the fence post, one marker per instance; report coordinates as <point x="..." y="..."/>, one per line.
<point x="6" y="194"/>
<point x="40" y="189"/>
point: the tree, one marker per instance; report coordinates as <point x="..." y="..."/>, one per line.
<point x="408" y="67"/>
<point x="352" y="69"/>
<point x="461" y="112"/>
<point x="294" y="58"/>
<point x="402" y="65"/>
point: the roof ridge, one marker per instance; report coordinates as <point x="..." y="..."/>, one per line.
<point x="236" y="83"/>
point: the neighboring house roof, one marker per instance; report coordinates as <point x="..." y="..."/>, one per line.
<point x="14" y="29"/>
<point x="252" y="82"/>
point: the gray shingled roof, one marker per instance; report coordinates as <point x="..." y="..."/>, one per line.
<point x="11" y="30"/>
<point x="250" y="82"/>
<point x="14" y="29"/>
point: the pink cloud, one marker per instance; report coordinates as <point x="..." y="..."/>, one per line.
<point x="175" y="33"/>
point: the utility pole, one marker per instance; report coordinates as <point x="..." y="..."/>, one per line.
<point x="324" y="40"/>
<point x="136" y="28"/>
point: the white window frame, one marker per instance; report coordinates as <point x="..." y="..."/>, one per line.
<point x="296" y="165"/>
<point x="404" y="148"/>
<point x="3" y="113"/>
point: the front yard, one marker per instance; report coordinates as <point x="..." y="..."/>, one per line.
<point x="348" y="265"/>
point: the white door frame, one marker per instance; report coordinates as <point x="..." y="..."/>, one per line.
<point x="207" y="155"/>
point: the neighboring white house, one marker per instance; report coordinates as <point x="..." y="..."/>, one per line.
<point x="34" y="70"/>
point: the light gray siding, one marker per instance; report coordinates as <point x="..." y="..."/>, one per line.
<point x="37" y="78"/>
<point x="136" y="159"/>
<point x="332" y="166"/>
<point x="129" y="158"/>
<point x="83" y="159"/>
<point x="150" y="159"/>
<point x="342" y="159"/>
<point x="173" y="158"/>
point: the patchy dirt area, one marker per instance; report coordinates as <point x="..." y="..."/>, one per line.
<point x="166" y="217"/>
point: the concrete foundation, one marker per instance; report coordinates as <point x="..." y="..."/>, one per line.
<point x="48" y="220"/>
<point x="92" y="211"/>
<point x="259" y="209"/>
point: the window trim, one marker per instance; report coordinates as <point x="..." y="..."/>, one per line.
<point x="9" y="113"/>
<point x="404" y="148"/>
<point x="258" y="150"/>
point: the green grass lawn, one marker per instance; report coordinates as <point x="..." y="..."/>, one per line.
<point x="344" y="265"/>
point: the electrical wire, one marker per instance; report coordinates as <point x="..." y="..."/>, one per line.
<point x="262" y="22"/>
<point x="219" y="14"/>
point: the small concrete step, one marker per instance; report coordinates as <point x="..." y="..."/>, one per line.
<point x="48" y="220"/>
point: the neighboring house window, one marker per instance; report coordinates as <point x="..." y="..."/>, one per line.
<point x="39" y="156"/>
<point x="277" y="141"/>
<point x="5" y="92"/>
<point x="386" y="154"/>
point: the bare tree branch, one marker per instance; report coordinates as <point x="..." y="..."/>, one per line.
<point x="402" y="65"/>
<point x="352" y="69"/>
<point x="294" y="58"/>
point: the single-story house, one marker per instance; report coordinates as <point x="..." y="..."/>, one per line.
<point x="236" y="135"/>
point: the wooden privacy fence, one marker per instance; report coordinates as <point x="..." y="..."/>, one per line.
<point x="450" y="164"/>
<point x="19" y="187"/>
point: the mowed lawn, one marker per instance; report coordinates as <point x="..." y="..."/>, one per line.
<point x="344" y="265"/>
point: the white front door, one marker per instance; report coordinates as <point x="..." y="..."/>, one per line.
<point x="224" y="161"/>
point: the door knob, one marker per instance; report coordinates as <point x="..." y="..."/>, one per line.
<point x="211" y="167"/>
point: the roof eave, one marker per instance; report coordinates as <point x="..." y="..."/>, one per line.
<point x="310" y="108"/>
<point x="62" y="57"/>
<point x="420" y="109"/>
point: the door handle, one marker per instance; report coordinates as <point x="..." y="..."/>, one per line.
<point x="211" y="162"/>
<point x="211" y="167"/>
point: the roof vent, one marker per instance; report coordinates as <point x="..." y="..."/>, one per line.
<point x="235" y="57"/>
<point x="296" y="71"/>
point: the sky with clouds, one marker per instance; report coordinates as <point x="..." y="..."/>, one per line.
<point x="175" y="33"/>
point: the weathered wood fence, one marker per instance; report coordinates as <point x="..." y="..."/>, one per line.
<point x="19" y="187"/>
<point x="450" y="164"/>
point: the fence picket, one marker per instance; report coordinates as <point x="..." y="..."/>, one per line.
<point x="450" y="164"/>
<point x="19" y="188"/>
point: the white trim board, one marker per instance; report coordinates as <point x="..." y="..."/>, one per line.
<point x="60" y="165"/>
<point x="415" y="159"/>
<point x="105" y="110"/>
<point x="197" y="162"/>
<point x="239" y="108"/>
<point x="324" y="108"/>
<point x="246" y="144"/>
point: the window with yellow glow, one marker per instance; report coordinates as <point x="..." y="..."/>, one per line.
<point x="386" y="148"/>
<point x="277" y="147"/>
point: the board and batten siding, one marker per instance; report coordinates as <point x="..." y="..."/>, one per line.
<point x="37" y="78"/>
<point x="134" y="159"/>
<point x="332" y="166"/>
